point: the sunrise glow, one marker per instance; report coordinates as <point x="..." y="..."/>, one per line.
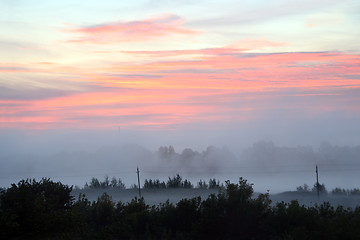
<point x="165" y="66"/>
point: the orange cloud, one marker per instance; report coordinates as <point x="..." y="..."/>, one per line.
<point x="143" y="30"/>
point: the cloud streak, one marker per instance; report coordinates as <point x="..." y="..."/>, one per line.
<point x="133" y="31"/>
<point x="231" y="49"/>
<point x="221" y="85"/>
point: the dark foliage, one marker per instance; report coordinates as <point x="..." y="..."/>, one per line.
<point x="45" y="210"/>
<point x="151" y="184"/>
<point x="304" y="188"/>
<point x="319" y="187"/>
<point x="32" y="209"/>
<point x="202" y="185"/>
<point x="342" y="191"/>
<point x="335" y="191"/>
<point x="106" y="184"/>
<point x="339" y="191"/>
<point x="177" y="182"/>
<point x="213" y="184"/>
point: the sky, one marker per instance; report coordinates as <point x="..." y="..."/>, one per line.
<point x="187" y="73"/>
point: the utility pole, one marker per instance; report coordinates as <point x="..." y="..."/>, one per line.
<point x="317" y="182"/>
<point x="138" y="175"/>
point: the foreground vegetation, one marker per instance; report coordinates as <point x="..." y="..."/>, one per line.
<point x="46" y="210"/>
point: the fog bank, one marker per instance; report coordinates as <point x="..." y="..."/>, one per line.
<point x="267" y="165"/>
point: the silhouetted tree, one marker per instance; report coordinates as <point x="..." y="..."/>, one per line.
<point x="105" y="183"/>
<point x="32" y="208"/>
<point x="103" y="210"/>
<point x="134" y="186"/>
<point x="339" y="191"/>
<point x="322" y="189"/>
<point x="149" y="184"/>
<point x="113" y="182"/>
<point x="187" y="184"/>
<point x="355" y="191"/>
<point x="166" y="152"/>
<point x="45" y="210"/>
<point x="94" y="184"/>
<point x="202" y="184"/>
<point x="120" y="184"/>
<point x="175" y="182"/>
<point x="213" y="184"/>
<point x="304" y="188"/>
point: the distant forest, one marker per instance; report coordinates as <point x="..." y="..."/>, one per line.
<point x="174" y="182"/>
<point x="178" y="182"/>
<point x="45" y="209"/>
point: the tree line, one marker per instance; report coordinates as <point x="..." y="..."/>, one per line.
<point x="322" y="190"/>
<point x="107" y="183"/>
<point x="173" y="182"/>
<point x="46" y="210"/>
<point x="178" y="182"/>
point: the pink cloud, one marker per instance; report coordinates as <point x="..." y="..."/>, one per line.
<point x="233" y="48"/>
<point x="211" y="87"/>
<point x="142" y="30"/>
<point x="170" y="53"/>
<point x="13" y="67"/>
<point x="243" y="72"/>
